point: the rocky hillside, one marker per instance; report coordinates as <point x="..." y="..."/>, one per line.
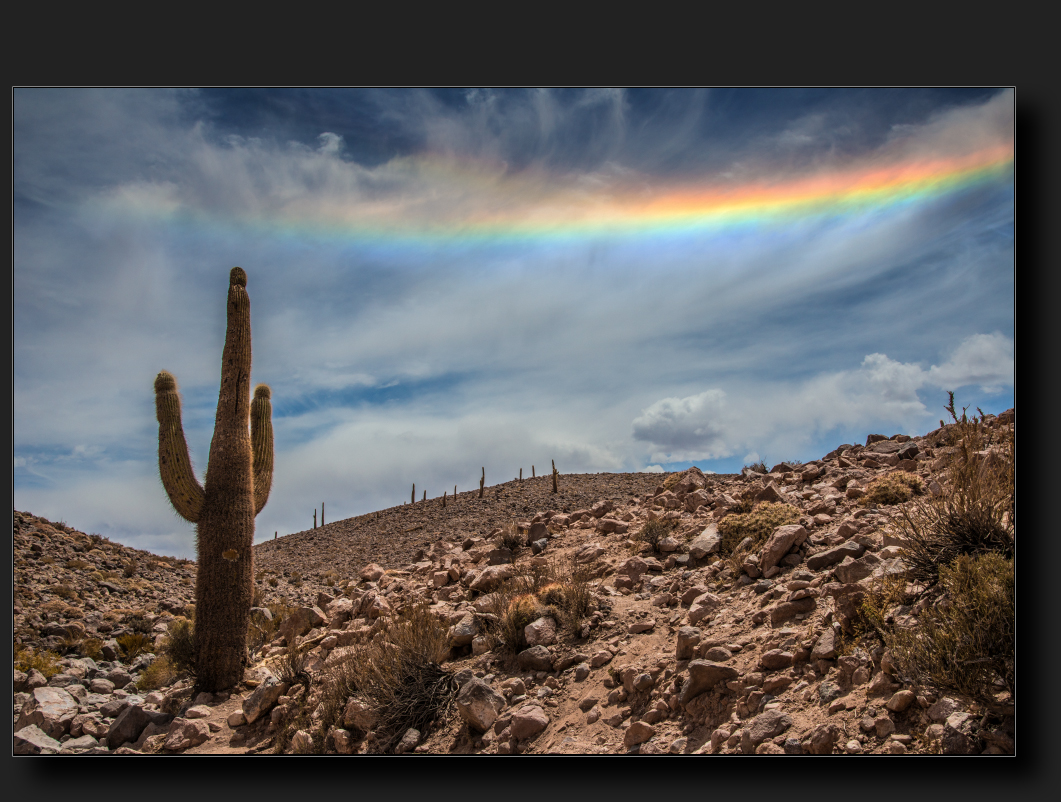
<point x="763" y="650"/>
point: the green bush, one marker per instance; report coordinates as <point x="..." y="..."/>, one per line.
<point x="965" y="641"/>
<point x="758" y="524"/>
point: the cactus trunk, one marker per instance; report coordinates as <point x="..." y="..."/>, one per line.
<point x="238" y="480"/>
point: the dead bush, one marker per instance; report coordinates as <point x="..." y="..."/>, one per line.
<point x="511" y="537"/>
<point x="974" y="512"/>
<point x="179" y="646"/>
<point x="653" y="532"/>
<point x="897" y="487"/>
<point x="400" y="675"/>
<point x="758" y="524"/>
<point x="965" y="642"/>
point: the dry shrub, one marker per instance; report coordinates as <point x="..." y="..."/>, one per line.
<point x="45" y="662"/>
<point x="758" y="467"/>
<point x="135" y="643"/>
<point x="975" y="512"/>
<point x="179" y="646"/>
<point x="292" y="667"/>
<point x="897" y="487"/>
<point x="159" y="674"/>
<point x="76" y="563"/>
<point x="964" y="642"/>
<point x="400" y="675"/>
<point x="511" y="537"/>
<point x="881" y="597"/>
<point x="130" y="567"/>
<point x="652" y="533"/>
<point x="562" y="590"/>
<point x="758" y="524"/>
<point x="92" y="648"/>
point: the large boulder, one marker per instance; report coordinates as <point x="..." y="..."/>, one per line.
<point x="702" y="607"/>
<point x="131" y="722"/>
<point x="781" y="542"/>
<point x="478" y="704"/>
<point x="536" y="658"/>
<point x="766" y="725"/>
<point x="540" y="632"/>
<point x="184" y="734"/>
<point x="491" y="577"/>
<point x="50" y="709"/>
<point x="32" y="740"/>
<point x="464" y="631"/>
<point x="263" y="698"/>
<point x="703" y="676"/>
<point x="707" y="542"/>
<point x="528" y="721"/>
<point x="300" y="622"/>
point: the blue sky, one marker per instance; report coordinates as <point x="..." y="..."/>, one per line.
<point x="421" y="308"/>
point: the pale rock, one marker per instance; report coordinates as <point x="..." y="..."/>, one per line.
<point x="601" y="658"/>
<point x="236" y="719"/>
<point x="707" y="542"/>
<point x="50" y="709"/>
<point x="344" y="741"/>
<point x="263" y="698"/>
<point x="541" y="632"/>
<point x="32" y="740"/>
<point x="783" y="540"/>
<point x="491" y="577"/>
<point x="479" y="704"/>
<point x="464" y="631"/>
<point x="301" y="742"/>
<point x="359" y="715"/>
<point x="702" y="607"/>
<point x="184" y="734"/>
<point x="371" y="572"/>
<point x="198" y="711"/>
<point x="769" y="724"/>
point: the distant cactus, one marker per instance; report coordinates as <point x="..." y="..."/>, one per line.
<point x="412" y="498"/>
<point x="554" y="476"/>
<point x="238" y="479"/>
<point x="482" y="483"/>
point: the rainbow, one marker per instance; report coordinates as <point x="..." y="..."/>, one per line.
<point x="466" y="202"/>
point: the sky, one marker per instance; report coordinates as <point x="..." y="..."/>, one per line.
<point x="443" y="281"/>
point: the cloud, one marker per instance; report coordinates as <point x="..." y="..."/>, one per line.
<point x="690" y="423"/>
<point x="714" y="423"/>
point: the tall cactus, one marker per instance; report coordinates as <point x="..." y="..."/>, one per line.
<point x="239" y="476"/>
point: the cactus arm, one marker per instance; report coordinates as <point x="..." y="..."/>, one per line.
<point x="262" y="445"/>
<point x="174" y="462"/>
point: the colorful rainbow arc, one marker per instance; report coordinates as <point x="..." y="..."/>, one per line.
<point x="524" y="212"/>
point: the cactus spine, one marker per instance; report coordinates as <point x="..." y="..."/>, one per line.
<point x="238" y="479"/>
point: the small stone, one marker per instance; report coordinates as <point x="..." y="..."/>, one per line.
<point x="528" y="721"/>
<point x="638" y="733"/>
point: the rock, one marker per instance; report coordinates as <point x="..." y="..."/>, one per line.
<point x="371" y="572"/>
<point x="359" y="715"/>
<point x="770" y="493"/>
<point x="789" y="609"/>
<point x="821" y="740"/>
<point x="634" y="567"/>
<point x="528" y="721"/>
<point x="300" y="622"/>
<point x="882" y="684"/>
<point x="766" y="725"/>
<point x="184" y="734"/>
<point x="884" y="726"/>
<point x="850" y="571"/>
<point x="824" y="559"/>
<point x="301" y="742"/>
<point x="601" y="508"/>
<point x="132" y="721"/>
<point x="828" y="691"/>
<point x="479" y="704"/>
<point x="688" y="638"/>
<point x="541" y="632"/>
<point x="646" y="625"/>
<point x="49" y="709"/>
<point x="638" y="733"/>
<point x="669" y="544"/>
<point x="776" y="659"/>
<point x="344" y="741"/>
<point x="536" y="658"/>
<point x="538" y="530"/>
<point x="601" y="658"/>
<point x="825" y="646"/>
<point x="783" y="540"/>
<point x="703" y="676"/>
<point x="702" y="607"/>
<point x="707" y="542"/>
<point x="958" y="736"/>
<point x="236" y="719"/>
<point x="263" y="698"/>
<point x="32" y="740"/>
<point x="942" y="709"/>
<point x="491" y="577"/>
<point x="464" y="631"/>
<point x="589" y="553"/>
<point x="607" y="525"/>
